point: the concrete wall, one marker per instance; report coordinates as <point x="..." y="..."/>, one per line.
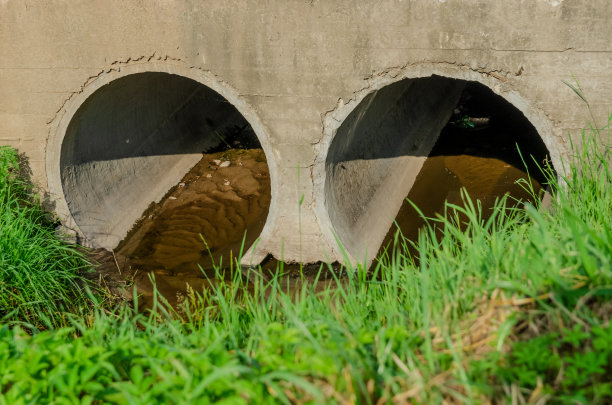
<point x="295" y="70"/>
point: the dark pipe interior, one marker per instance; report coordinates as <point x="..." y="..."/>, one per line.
<point x="377" y="152"/>
<point x="487" y="146"/>
<point x="424" y="139"/>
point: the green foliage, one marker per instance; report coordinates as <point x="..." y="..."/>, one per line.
<point x="573" y="365"/>
<point x="8" y="165"/>
<point x="116" y="362"/>
<point x="39" y="275"/>
<point x="573" y="361"/>
<point x="464" y="122"/>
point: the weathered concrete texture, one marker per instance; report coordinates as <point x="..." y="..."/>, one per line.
<point x="294" y="70"/>
<point x="376" y="155"/>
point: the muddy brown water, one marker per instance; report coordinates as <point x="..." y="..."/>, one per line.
<point x="200" y="223"/>
<point x="486" y="162"/>
<point x="207" y="213"/>
<point x="228" y="192"/>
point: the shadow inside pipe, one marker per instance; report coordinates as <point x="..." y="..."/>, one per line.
<point x="489" y="149"/>
<point x="133" y="139"/>
<point x="429" y="136"/>
<point x="151" y="114"/>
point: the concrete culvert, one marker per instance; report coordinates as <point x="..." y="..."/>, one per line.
<point x="166" y="159"/>
<point x="424" y="139"/>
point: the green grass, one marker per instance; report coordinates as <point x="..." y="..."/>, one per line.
<point x="39" y="275"/>
<point x="493" y="310"/>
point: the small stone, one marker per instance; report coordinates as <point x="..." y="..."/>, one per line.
<point x="227" y="183"/>
<point x="172" y="197"/>
<point x="181" y="184"/>
<point x="217" y="162"/>
<point x="208" y="175"/>
<point x="225" y="164"/>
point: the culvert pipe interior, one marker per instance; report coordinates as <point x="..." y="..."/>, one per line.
<point x="134" y="139"/>
<point x="425" y="139"/>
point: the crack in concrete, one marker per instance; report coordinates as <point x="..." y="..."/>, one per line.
<point x="115" y="66"/>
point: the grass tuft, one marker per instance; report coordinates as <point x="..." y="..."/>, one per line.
<point x="39" y="275"/>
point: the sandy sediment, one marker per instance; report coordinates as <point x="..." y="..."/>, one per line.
<point x="201" y="222"/>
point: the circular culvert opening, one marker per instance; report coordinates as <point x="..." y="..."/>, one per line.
<point x="424" y="139"/>
<point x="164" y="159"/>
